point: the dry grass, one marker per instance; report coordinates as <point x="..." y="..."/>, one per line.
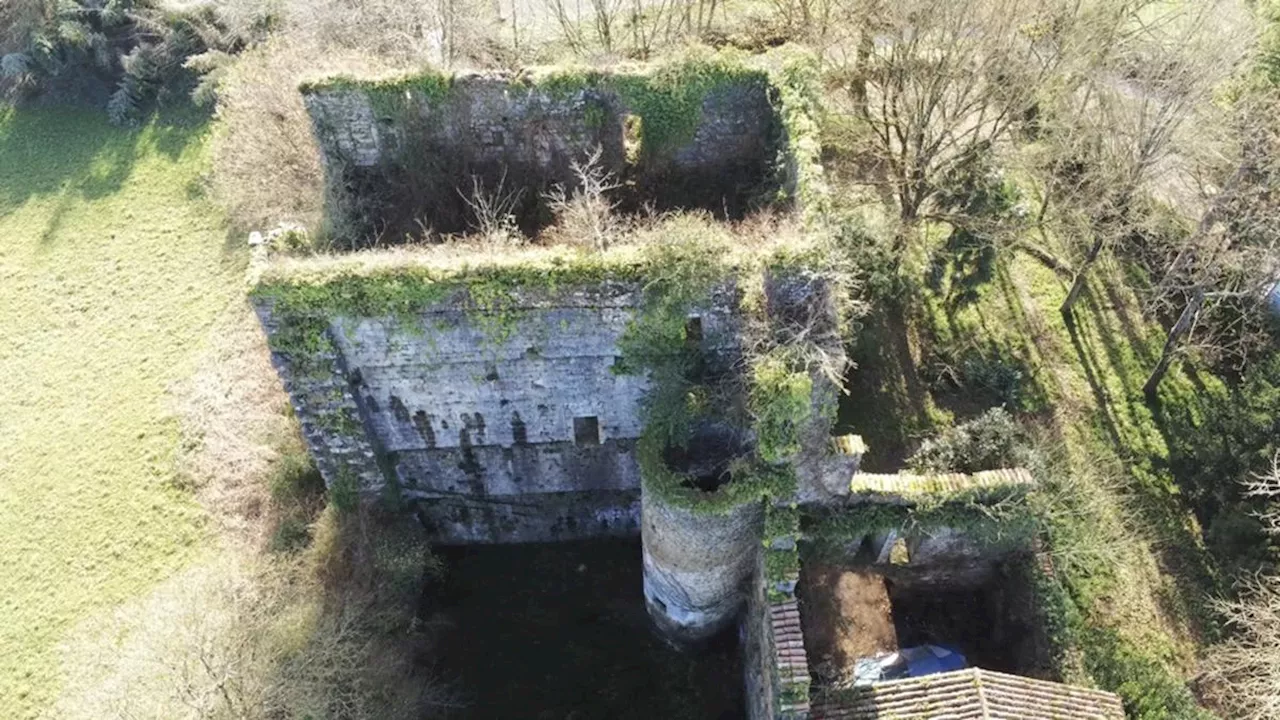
<point x="742" y="242"/>
<point x="245" y="637"/>
<point x="235" y="426"/>
<point x="266" y="164"/>
<point x="251" y="631"/>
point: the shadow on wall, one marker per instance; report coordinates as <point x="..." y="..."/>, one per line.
<point x="456" y="154"/>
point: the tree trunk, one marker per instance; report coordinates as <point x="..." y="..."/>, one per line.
<point x="1043" y="256"/>
<point x="866" y="46"/>
<point x="1077" y="285"/>
<point x="1174" y="341"/>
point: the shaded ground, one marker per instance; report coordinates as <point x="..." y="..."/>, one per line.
<point x="846" y="616"/>
<point x="560" y="631"/>
<point x="966" y="619"/>
<point x="852" y="610"/>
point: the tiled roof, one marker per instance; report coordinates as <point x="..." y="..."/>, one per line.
<point x="793" y="664"/>
<point x="971" y="694"/>
<point x="849" y="445"/>
<point x="909" y="485"/>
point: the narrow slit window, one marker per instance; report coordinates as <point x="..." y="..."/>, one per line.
<point x="586" y="430"/>
<point x="693" y="330"/>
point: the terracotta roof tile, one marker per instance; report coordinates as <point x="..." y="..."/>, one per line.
<point x="972" y="694"/>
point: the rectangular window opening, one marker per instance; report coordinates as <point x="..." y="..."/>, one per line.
<point x="586" y="430"/>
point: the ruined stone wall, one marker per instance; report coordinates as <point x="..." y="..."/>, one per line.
<point x="403" y="150"/>
<point x="760" y="673"/>
<point x="501" y="425"/>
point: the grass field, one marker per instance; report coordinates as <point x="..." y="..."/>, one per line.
<point x="112" y="270"/>
<point x="1129" y="551"/>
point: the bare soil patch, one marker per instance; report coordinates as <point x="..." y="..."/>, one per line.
<point x="846" y="615"/>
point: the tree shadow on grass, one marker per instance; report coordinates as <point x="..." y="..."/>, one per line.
<point x="1164" y="510"/>
<point x="75" y="155"/>
<point x="886" y="398"/>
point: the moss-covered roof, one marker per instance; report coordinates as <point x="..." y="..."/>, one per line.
<point x="910" y="486"/>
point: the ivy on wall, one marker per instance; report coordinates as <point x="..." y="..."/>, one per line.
<point x="995" y="517"/>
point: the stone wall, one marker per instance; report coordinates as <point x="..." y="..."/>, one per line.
<point x="775" y="662"/>
<point x="696" y="566"/>
<point x="501" y="425"/>
<point x="402" y="151"/>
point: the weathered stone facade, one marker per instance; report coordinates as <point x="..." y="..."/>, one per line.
<point x="511" y="425"/>
<point x="697" y="566"/>
<point x="409" y="150"/>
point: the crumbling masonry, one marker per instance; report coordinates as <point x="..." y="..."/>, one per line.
<point x="529" y="397"/>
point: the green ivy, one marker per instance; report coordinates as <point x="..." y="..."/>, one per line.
<point x="800" y="161"/>
<point x="430" y="84"/>
<point x="781" y="521"/>
<point x="780" y="400"/>
<point x="751" y="481"/>
<point x="993" y="517"/>
<point x="305" y="303"/>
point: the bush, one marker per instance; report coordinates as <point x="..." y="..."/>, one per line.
<point x="990" y="441"/>
<point x="133" y="53"/>
<point x="983" y="376"/>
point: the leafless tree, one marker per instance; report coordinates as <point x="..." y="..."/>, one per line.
<point x="633" y="27"/>
<point x="1112" y="137"/>
<point x="1224" y="274"/>
<point x="1242" y="675"/>
<point x="940" y="83"/>
<point x="585" y="214"/>
<point x="493" y="210"/>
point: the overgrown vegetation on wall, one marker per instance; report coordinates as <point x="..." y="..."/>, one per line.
<point x="1119" y="190"/>
<point x="435" y="171"/>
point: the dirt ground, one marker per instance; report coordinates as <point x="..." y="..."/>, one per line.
<point x="846" y="615"/>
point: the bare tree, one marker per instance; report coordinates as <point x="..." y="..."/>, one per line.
<point x="1242" y="675"/>
<point x="940" y="83"/>
<point x="1148" y="70"/>
<point x="1225" y="273"/>
<point x="585" y="214"/>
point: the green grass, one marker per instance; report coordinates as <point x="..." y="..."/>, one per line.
<point x="1143" y="613"/>
<point x="112" y="269"/>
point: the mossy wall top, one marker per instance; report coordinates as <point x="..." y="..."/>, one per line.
<point x="402" y="153"/>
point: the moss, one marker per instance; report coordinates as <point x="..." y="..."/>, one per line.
<point x="751" y="481"/>
<point x="305" y="303"/>
<point x="1000" y="520"/>
<point x="430" y="84"/>
<point x="781" y="403"/>
<point x="343" y="490"/>
<point x="781" y="521"/>
<point x="341" y="422"/>
<point x="669" y="100"/>
<point x="800" y="161"/>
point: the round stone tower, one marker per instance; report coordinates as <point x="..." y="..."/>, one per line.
<point x="696" y="565"/>
<point x="697" y="562"/>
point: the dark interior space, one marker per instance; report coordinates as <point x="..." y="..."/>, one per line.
<point x="856" y="609"/>
<point x="435" y="190"/>
<point x="708" y="455"/>
<point x="559" y="631"/>
<point x="961" y="618"/>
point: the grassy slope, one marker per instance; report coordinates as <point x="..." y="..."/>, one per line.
<point x="111" y="272"/>
<point x="1142" y="599"/>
